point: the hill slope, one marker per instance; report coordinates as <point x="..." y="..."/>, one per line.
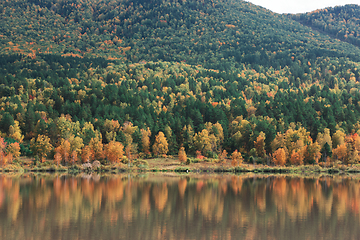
<point x="215" y="34"/>
<point x="211" y="75"/>
<point x="341" y="22"/>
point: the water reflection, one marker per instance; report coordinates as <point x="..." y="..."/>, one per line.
<point x="179" y="207"/>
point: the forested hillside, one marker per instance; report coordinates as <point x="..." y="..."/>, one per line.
<point x="80" y="79"/>
<point x="341" y="22"/>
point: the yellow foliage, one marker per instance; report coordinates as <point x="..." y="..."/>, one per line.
<point x="40" y="146"/>
<point x="145" y="140"/>
<point x="14" y="149"/>
<point x="160" y="146"/>
<point x="260" y="144"/>
<point x="15" y="132"/>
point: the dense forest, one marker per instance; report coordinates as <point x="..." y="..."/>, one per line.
<point x="341" y="22"/>
<point x="96" y="80"/>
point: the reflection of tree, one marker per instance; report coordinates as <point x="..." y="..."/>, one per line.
<point x="160" y="195"/>
<point x="231" y="206"/>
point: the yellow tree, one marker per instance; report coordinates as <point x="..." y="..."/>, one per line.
<point x="338" y="138"/>
<point x="40" y="146"/>
<point x="131" y="148"/>
<point x="323" y="138"/>
<point x="14" y="149"/>
<point x="160" y="146"/>
<point x="145" y="140"/>
<point x="182" y="155"/>
<point x="217" y="130"/>
<point x="114" y="151"/>
<point x="205" y="142"/>
<point x="66" y="127"/>
<point x="111" y="127"/>
<point x="260" y="144"/>
<point x="15" y="132"/>
<point x="97" y="148"/>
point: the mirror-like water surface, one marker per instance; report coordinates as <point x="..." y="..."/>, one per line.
<point x="179" y="207"/>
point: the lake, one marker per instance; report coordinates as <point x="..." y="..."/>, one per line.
<point x="171" y="206"/>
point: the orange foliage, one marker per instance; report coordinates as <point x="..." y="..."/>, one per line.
<point x="57" y="157"/>
<point x="199" y="156"/>
<point x="340" y="153"/>
<point x="182" y="187"/>
<point x="279" y="157"/>
<point x="114" y="151"/>
<point x="297" y="158"/>
<point x="86" y="154"/>
<point x="182" y="155"/>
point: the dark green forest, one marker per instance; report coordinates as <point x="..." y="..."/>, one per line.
<point x="212" y="75"/>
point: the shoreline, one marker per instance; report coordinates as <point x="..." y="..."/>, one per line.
<point x="171" y="164"/>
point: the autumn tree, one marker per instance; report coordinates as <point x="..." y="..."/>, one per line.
<point x="66" y="127"/>
<point x="205" y="142"/>
<point x="340" y="153"/>
<point x="338" y="138"/>
<point x="323" y="138"/>
<point x="160" y="146"/>
<point x="15" y="132"/>
<point x="111" y="128"/>
<point x="236" y="158"/>
<point x="128" y="130"/>
<point x="88" y="132"/>
<point x="297" y="157"/>
<point x="145" y="140"/>
<point x="279" y="157"/>
<point x="14" y="149"/>
<point x="2" y="151"/>
<point x="86" y="154"/>
<point x="57" y="157"/>
<point x="97" y="148"/>
<point x="241" y="132"/>
<point x="114" y="151"/>
<point x="182" y="155"/>
<point x="312" y="152"/>
<point x="223" y="156"/>
<point x="40" y="146"/>
<point x="64" y="150"/>
<point x="259" y="144"/>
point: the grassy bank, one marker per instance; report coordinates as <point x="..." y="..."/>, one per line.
<point x="171" y="164"/>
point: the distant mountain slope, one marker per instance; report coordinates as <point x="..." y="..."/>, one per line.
<point x="342" y="22"/>
<point x="217" y="34"/>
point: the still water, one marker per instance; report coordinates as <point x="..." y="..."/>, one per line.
<point x="179" y="207"/>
